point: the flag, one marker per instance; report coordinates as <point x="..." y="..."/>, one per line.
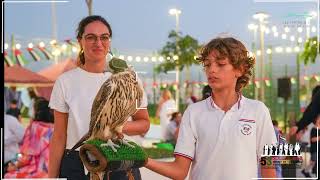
<point x="7" y="59"/>
<point x="34" y="55"/>
<point x="45" y="52"/>
<point x="18" y="54"/>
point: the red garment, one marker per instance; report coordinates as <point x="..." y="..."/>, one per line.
<point x="35" y="152"/>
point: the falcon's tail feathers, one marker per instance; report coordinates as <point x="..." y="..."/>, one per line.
<point x="80" y="142"/>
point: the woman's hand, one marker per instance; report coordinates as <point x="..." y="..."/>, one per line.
<point x="11" y="167"/>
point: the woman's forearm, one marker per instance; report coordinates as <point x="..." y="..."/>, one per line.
<point x="140" y="123"/>
<point x="57" y="147"/>
<point x="140" y="126"/>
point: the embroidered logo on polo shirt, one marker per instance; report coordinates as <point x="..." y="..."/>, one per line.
<point x="247" y="120"/>
<point x="246" y="129"/>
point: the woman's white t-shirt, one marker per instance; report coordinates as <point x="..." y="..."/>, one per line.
<point x="73" y="93"/>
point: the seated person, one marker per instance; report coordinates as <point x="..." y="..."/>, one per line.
<point x="34" y="159"/>
<point x="14" y="110"/>
<point x="13" y="134"/>
<point x="172" y="129"/>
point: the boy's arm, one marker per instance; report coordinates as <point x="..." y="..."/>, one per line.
<point x="177" y="170"/>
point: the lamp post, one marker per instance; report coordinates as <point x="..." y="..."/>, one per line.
<point x="261" y="16"/>
<point x="254" y="28"/>
<point x="176" y="13"/>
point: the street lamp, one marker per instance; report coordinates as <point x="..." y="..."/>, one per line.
<point x="261" y="16"/>
<point x="254" y="27"/>
<point x="176" y="13"/>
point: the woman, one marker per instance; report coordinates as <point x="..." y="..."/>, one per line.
<point x="165" y="108"/>
<point x="72" y="98"/>
<point x="221" y="133"/>
<point x="172" y="130"/>
<point x="34" y="150"/>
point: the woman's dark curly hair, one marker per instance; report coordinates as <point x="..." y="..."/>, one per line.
<point x="237" y="54"/>
<point x="42" y="111"/>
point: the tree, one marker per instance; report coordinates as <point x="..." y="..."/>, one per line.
<point x="185" y="47"/>
<point x="311" y="50"/>
<point x="89" y="5"/>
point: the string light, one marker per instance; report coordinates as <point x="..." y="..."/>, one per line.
<point x="288" y="49"/>
<point x="41" y="44"/>
<point x="284" y="36"/>
<point x="286" y="29"/>
<point x="258" y="53"/>
<point x="145" y="59"/>
<point x="30" y="45"/>
<point x="18" y="46"/>
<point x="292" y="38"/>
<point x="64" y="46"/>
<point x="53" y="42"/>
<point x="161" y="58"/>
<point x="279" y="49"/>
<point x="153" y="59"/>
<point x="269" y="51"/>
<point x="74" y="49"/>
<point x="138" y="59"/>
<point x="129" y="58"/>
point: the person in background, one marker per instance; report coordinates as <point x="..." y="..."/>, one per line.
<point x="192" y="99"/>
<point x="13" y="134"/>
<point x="165" y="108"/>
<point x="206" y="92"/>
<point x="32" y="94"/>
<point x="34" y="149"/>
<point x="311" y="112"/>
<point x="14" y="110"/>
<point x="173" y="128"/>
<point x="11" y="93"/>
<point x="315" y="141"/>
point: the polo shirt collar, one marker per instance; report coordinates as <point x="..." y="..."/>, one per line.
<point x="213" y="105"/>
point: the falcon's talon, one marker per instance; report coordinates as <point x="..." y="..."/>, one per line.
<point x="126" y="142"/>
<point x="111" y="144"/>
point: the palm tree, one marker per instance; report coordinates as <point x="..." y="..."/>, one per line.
<point x="311" y="50"/>
<point x="185" y="47"/>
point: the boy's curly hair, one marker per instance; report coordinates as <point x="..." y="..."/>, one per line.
<point x="237" y="54"/>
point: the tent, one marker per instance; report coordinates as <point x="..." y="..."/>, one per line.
<point x="19" y="76"/>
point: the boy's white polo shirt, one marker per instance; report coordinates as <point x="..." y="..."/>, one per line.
<point x="221" y="145"/>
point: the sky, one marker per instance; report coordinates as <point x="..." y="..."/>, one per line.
<point x="140" y="27"/>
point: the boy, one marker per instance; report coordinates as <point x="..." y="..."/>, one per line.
<point x="224" y="135"/>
